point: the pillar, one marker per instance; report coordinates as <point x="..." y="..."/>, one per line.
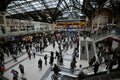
<point x="92" y="23"/>
<point x="53" y="25"/>
<point x="113" y="20"/>
<point x="4" y="22"/>
<point x="94" y="49"/>
<point x="98" y="22"/>
<point x="86" y="44"/>
<point x="118" y="20"/>
<point x="79" y="47"/>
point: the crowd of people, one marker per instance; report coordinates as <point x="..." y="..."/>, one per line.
<point x="66" y="41"/>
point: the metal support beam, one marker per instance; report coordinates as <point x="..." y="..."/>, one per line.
<point x="56" y="10"/>
<point x="47" y="8"/>
<point x="67" y="6"/>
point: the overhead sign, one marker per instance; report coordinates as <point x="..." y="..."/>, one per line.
<point x="70" y="22"/>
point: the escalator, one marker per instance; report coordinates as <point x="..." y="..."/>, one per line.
<point x="114" y="75"/>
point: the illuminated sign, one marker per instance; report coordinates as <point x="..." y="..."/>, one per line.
<point x="70" y="22"/>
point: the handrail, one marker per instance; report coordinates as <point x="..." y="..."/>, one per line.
<point x="86" y="45"/>
<point x="91" y="75"/>
<point x="67" y="69"/>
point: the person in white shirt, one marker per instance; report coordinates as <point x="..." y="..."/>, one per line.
<point x="34" y="52"/>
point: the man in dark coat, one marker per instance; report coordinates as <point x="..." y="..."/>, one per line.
<point x="56" y="69"/>
<point x="21" y="67"/>
<point x="51" y="58"/>
<point x="45" y="58"/>
<point x="40" y="63"/>
<point x="96" y="67"/>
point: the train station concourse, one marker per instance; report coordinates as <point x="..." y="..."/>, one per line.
<point x="59" y="39"/>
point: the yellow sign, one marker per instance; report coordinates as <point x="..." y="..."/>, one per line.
<point x="70" y="23"/>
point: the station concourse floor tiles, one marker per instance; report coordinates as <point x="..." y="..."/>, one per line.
<point x="32" y="72"/>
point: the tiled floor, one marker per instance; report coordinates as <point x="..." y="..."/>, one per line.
<point x="32" y="72"/>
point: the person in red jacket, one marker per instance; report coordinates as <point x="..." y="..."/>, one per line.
<point x="2" y="69"/>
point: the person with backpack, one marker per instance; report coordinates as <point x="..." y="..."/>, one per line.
<point x="15" y="74"/>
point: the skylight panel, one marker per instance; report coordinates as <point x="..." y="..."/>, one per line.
<point x="35" y="3"/>
<point x="11" y="4"/>
<point x="29" y="0"/>
<point x="52" y="6"/>
<point x="53" y="3"/>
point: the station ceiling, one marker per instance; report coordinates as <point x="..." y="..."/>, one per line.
<point x="52" y="10"/>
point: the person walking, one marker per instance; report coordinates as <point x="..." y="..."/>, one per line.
<point x="45" y="58"/>
<point x="81" y="73"/>
<point x="2" y="58"/>
<point x="29" y="54"/>
<point x="15" y="74"/>
<point x="118" y="67"/>
<point x="56" y="69"/>
<point x="56" y="54"/>
<point x="14" y="57"/>
<point x="51" y="60"/>
<point x="2" y="69"/>
<point x="83" y="49"/>
<point x="89" y="46"/>
<point x="96" y="67"/>
<point x="40" y="64"/>
<point x="61" y="61"/>
<point x="21" y="67"/>
<point x="53" y="44"/>
<point x="34" y="52"/>
<point x="72" y="66"/>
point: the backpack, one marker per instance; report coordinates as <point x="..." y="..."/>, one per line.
<point x="16" y="72"/>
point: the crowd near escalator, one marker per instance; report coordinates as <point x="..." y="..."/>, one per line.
<point x="65" y="40"/>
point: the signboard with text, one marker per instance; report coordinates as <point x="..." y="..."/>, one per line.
<point x="70" y="22"/>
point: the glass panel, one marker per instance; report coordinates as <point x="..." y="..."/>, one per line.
<point x="11" y="4"/>
<point x="29" y="0"/>
<point x="35" y="3"/>
<point x="20" y="10"/>
<point x="38" y="8"/>
<point x="52" y="6"/>
<point x="29" y="10"/>
<point x="23" y="5"/>
<point x="50" y="3"/>
<point x="22" y="1"/>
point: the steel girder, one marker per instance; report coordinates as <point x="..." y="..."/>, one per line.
<point x="4" y="4"/>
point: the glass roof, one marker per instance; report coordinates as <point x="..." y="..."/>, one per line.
<point x="22" y="6"/>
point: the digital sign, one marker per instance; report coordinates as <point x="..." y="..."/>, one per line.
<point x="70" y="22"/>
